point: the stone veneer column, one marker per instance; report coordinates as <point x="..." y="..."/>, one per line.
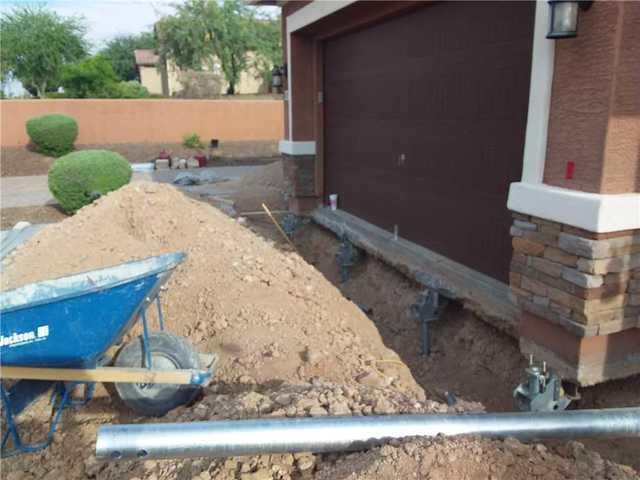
<point x="300" y="179"/>
<point x="580" y="298"/>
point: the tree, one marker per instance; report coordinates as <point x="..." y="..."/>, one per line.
<point x="36" y="43"/>
<point x="119" y="52"/>
<point x="267" y="45"/>
<point x="89" y="78"/>
<point x="202" y="29"/>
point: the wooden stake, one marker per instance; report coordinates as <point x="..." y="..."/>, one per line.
<point x="273" y="212"/>
<point x="275" y="222"/>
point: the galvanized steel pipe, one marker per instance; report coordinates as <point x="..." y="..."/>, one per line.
<point x="331" y="434"/>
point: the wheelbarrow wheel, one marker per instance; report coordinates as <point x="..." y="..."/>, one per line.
<point x="168" y="352"/>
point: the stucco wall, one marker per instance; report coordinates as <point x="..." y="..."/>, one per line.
<point x="139" y="121"/>
<point x="151" y="78"/>
<point x="595" y="106"/>
<point x="250" y="82"/>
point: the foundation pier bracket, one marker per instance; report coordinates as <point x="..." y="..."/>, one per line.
<point x="542" y="390"/>
<point x="429" y="307"/>
<point x="347" y="257"/>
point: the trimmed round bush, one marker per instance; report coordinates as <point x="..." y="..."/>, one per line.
<point x="53" y="134"/>
<point x="78" y="178"/>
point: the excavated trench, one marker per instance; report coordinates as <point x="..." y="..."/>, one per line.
<point x="469" y="358"/>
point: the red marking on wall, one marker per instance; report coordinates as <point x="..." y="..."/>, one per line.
<point x="571" y="166"/>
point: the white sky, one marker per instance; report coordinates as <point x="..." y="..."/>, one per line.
<point x="106" y="19"/>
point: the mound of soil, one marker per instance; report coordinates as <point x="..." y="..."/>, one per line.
<point x="472" y="458"/>
<point x="265" y="311"/>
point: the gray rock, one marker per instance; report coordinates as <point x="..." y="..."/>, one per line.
<point x="594" y="249"/>
<point x="317" y="411"/>
<point x="339" y="408"/>
<point x="522" y="225"/>
<point x="371" y="379"/>
<point x="582" y="279"/>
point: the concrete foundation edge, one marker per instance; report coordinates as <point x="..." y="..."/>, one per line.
<point x="485" y="296"/>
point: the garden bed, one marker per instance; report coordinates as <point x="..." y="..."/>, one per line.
<point x="23" y="161"/>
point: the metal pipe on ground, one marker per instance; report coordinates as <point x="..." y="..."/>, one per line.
<point x="332" y="434"/>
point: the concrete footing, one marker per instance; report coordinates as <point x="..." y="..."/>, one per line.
<point x="489" y="298"/>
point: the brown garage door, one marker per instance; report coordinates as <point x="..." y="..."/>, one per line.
<point x="425" y="119"/>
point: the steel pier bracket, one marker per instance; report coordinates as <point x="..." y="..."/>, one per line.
<point x="429" y="307"/>
<point x="347" y="257"/>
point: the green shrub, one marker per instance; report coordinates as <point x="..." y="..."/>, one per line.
<point x="53" y="134"/>
<point x="91" y="77"/>
<point x="131" y="89"/>
<point x="78" y="178"/>
<point x="192" y="140"/>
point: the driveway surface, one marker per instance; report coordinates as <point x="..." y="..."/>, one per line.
<point x="34" y="190"/>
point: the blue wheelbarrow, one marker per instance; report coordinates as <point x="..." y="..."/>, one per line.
<point x="61" y="334"/>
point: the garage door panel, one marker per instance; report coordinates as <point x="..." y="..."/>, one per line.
<point x="446" y="86"/>
<point x="468" y="239"/>
<point x="487" y="167"/>
<point x="380" y="207"/>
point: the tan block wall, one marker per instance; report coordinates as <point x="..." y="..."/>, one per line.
<point x="150" y="120"/>
<point x="595" y="106"/>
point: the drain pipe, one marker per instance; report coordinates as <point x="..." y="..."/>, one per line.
<point x="332" y="434"/>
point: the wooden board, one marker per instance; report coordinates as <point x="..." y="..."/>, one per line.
<point x="101" y="374"/>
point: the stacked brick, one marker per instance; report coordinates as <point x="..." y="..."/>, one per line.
<point x="299" y="174"/>
<point x="300" y="182"/>
<point x="586" y="282"/>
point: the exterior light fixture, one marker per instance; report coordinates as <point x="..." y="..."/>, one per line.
<point x="276" y="78"/>
<point x="564" y="17"/>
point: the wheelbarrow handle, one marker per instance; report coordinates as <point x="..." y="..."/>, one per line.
<point x="108" y="375"/>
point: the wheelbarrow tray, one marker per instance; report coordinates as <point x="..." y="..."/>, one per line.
<point x="72" y="321"/>
<point x="62" y="333"/>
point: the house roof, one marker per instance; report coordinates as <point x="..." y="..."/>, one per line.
<point x="146" y="57"/>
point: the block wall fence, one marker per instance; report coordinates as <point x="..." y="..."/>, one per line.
<point x="149" y="121"/>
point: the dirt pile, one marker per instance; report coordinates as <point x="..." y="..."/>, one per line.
<point x="472" y="458"/>
<point x="317" y="398"/>
<point x="71" y="454"/>
<point x="265" y="311"/>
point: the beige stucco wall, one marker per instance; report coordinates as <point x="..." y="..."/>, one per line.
<point x="250" y="80"/>
<point x="150" y="77"/>
<point x="149" y="120"/>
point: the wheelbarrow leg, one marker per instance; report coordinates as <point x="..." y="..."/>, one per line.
<point x="61" y="395"/>
<point x="145" y="340"/>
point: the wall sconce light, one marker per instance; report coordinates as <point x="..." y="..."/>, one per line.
<point x="276" y="77"/>
<point x="564" y="17"/>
